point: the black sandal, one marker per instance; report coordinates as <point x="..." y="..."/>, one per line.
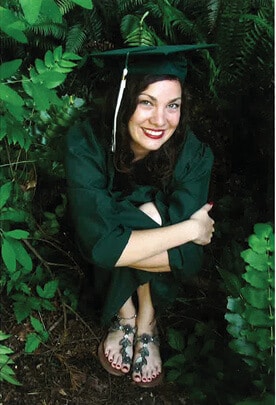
<point x="141" y="361"/>
<point x="124" y="342"/>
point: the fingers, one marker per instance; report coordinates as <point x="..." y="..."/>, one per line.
<point x="207" y="207"/>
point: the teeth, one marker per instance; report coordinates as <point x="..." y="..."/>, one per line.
<point x="153" y="133"/>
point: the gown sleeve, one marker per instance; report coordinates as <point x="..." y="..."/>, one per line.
<point x="189" y="193"/>
<point x="102" y="224"/>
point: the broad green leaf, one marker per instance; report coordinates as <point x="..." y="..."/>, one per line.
<point x="17" y="113"/>
<point x="22" y="256"/>
<point x="256" y="297"/>
<point x="176" y="339"/>
<point x="49" y="289"/>
<point x="47" y="305"/>
<point x="8" y="255"/>
<point x="5" y="350"/>
<point x="32" y="342"/>
<point x="176" y="361"/>
<point x="25" y="288"/>
<point x="235" y="305"/>
<point x="84" y="3"/>
<point x="31" y="9"/>
<point x="236" y="324"/>
<point x="49" y="59"/>
<point x="243" y="347"/>
<point x="44" y="98"/>
<point x="71" y="56"/>
<point x="51" y="79"/>
<point x="10" y="214"/>
<point x="263" y="231"/>
<point x="5" y="192"/>
<point x="173" y="375"/>
<point x="8" y="69"/>
<point x="256" y="278"/>
<point x="258" y="261"/>
<point x="37" y="325"/>
<point x="12" y="26"/>
<point x="50" y="10"/>
<point x="67" y="64"/>
<point x="9" y="95"/>
<point x="22" y="310"/>
<point x="258" y="317"/>
<point x="4" y="336"/>
<point x="259" y="245"/>
<point x="17" y="234"/>
<point x="262" y="338"/>
<point x="40" y="67"/>
<point x="15" y="276"/>
<point x="58" y="53"/>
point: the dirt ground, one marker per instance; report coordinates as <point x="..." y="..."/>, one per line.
<point x="66" y="369"/>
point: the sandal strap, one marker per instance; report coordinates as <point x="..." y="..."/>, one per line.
<point x="145" y="339"/>
<point x="124" y="342"/>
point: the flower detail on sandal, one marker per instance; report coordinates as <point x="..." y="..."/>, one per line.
<point x="125" y="343"/>
<point x="145" y="339"/>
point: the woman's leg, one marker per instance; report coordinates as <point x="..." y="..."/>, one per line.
<point x="112" y="346"/>
<point x="146" y="324"/>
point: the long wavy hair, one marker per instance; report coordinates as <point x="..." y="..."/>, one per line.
<point x="159" y="163"/>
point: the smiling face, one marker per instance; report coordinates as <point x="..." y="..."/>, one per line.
<point x="155" y="118"/>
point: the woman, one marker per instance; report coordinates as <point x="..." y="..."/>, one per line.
<point x="140" y="212"/>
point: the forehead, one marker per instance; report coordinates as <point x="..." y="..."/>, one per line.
<point x="164" y="88"/>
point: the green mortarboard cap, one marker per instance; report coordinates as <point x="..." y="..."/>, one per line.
<point x="158" y="60"/>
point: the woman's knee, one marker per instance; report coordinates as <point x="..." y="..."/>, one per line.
<point x="150" y="210"/>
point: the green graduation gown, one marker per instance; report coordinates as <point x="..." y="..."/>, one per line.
<point x="104" y="217"/>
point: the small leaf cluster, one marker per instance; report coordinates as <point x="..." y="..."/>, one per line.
<point x="36" y="94"/>
<point x="29" y="286"/>
<point x="6" y="372"/>
<point x="250" y="316"/>
<point x="198" y="365"/>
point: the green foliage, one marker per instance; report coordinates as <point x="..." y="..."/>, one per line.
<point x="32" y="113"/>
<point x="251" y="316"/>
<point x="6" y="372"/>
<point x="199" y="364"/>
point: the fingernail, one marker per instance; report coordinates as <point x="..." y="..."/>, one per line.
<point x="211" y="203"/>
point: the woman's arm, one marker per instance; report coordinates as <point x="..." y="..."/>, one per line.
<point x="148" y="248"/>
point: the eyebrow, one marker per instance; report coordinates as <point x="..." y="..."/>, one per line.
<point x="155" y="99"/>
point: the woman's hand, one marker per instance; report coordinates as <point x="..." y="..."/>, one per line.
<point x="204" y="225"/>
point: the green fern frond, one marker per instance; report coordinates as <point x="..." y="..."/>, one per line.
<point x="65" y="6"/>
<point x="136" y="32"/>
<point x="75" y="38"/>
<point x="48" y="29"/>
<point x="250" y="33"/>
<point x="127" y="6"/>
<point x="213" y="11"/>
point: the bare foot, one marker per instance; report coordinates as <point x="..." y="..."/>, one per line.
<point x="118" y="345"/>
<point x="147" y="364"/>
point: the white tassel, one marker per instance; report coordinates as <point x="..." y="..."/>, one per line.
<point x="119" y="100"/>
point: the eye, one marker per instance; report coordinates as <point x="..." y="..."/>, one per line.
<point x="144" y="102"/>
<point x="174" y="106"/>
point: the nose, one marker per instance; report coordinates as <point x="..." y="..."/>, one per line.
<point x="158" y="117"/>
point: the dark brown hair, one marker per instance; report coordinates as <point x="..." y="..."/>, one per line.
<point x="160" y="163"/>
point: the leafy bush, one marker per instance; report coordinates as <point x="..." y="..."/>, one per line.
<point x="6" y="372"/>
<point x="34" y="118"/>
<point x="251" y="315"/>
<point x="203" y="365"/>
